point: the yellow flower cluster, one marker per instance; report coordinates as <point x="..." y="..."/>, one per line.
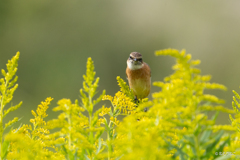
<point x="7" y="88"/>
<point x="115" y="121"/>
<point x="101" y="121"/>
<point x="124" y="88"/>
<point x="41" y="113"/>
<point x="105" y="110"/>
<point x="36" y="136"/>
<point x="107" y="97"/>
<point x="122" y="102"/>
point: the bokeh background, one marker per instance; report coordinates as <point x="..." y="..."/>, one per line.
<point x="55" y="39"/>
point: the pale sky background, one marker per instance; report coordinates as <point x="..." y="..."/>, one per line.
<point x="55" y="39"/>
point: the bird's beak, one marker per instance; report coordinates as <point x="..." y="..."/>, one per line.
<point x="135" y="59"/>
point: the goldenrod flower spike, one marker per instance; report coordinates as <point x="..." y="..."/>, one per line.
<point x="7" y="88"/>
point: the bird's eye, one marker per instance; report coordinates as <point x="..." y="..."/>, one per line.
<point x="140" y="59"/>
<point x="130" y="57"/>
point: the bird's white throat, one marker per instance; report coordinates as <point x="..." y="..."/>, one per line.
<point x="133" y="66"/>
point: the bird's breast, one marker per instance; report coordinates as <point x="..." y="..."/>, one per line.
<point x="140" y="81"/>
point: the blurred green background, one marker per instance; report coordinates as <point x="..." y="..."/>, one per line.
<point x="56" y="37"/>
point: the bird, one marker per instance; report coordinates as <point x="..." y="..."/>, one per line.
<point x="138" y="75"/>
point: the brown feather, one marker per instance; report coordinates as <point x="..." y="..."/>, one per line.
<point x="140" y="81"/>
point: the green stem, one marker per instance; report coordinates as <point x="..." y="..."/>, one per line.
<point x="1" y="119"/>
<point x="90" y="122"/>
<point x="69" y="134"/>
<point x="109" y="138"/>
<point x="197" y="147"/>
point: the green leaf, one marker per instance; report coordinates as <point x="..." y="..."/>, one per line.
<point x="99" y="145"/>
<point x="205" y="136"/>
<point x="118" y="158"/>
<point x="225" y="157"/>
<point x="214" y="117"/>
<point x="179" y="150"/>
<point x="99" y="98"/>
<point x="75" y="154"/>
<point x="95" y="116"/>
<point x="197" y="130"/>
<point x="86" y="157"/>
<point x="98" y="134"/>
<point x="5" y="149"/>
<point x="64" y="149"/>
<point x="191" y="142"/>
<point x="212" y="146"/>
<point x="220" y="149"/>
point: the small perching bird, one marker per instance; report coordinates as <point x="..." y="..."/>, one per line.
<point x="138" y="75"/>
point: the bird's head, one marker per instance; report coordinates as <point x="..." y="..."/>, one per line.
<point x="135" y="61"/>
